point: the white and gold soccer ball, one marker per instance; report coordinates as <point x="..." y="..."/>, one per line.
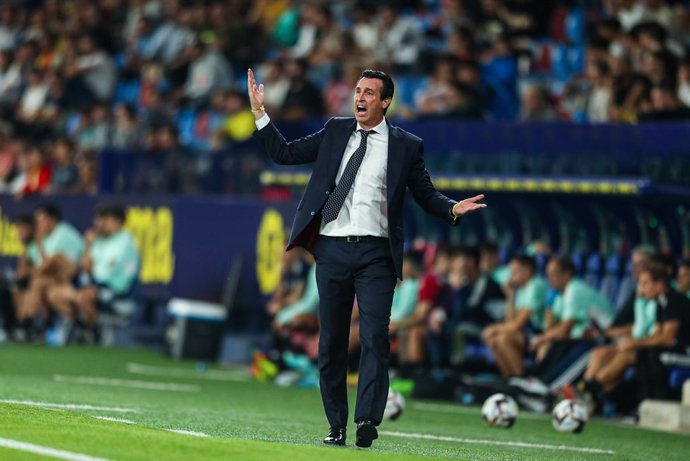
<point x="569" y="415"/>
<point x="500" y="410"/>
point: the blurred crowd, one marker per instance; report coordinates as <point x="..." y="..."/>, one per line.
<point x="548" y="326"/>
<point x="64" y="282"/>
<point x="167" y="76"/>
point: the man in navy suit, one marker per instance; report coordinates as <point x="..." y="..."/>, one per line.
<point x="350" y="219"/>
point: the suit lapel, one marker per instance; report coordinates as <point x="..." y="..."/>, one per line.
<point x="395" y="162"/>
<point x="338" y="150"/>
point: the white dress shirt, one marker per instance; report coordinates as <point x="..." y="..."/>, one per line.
<point x="365" y="211"/>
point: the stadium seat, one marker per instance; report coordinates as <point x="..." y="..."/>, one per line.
<point x="611" y="281"/>
<point x="127" y="91"/>
<point x="593" y="270"/>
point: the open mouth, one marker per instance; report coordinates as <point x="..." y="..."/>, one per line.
<point x="361" y="109"/>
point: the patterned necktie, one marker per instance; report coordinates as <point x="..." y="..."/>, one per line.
<point x="337" y="198"/>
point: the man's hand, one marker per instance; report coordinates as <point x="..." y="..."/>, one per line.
<point x="626" y="344"/>
<point x="256" y="95"/>
<point x="468" y="205"/>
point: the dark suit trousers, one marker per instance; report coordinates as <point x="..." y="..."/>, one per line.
<point x="343" y="270"/>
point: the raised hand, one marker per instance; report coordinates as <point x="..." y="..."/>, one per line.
<point x="256" y="95"/>
<point x="468" y="205"/>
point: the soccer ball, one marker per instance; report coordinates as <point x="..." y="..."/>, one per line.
<point x="394" y="405"/>
<point x="569" y="416"/>
<point x="500" y="410"/>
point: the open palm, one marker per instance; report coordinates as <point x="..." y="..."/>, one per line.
<point x="468" y="205"/>
<point x="256" y="93"/>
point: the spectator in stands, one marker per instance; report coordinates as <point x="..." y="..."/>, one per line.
<point x="65" y="177"/>
<point x="94" y="129"/>
<point x="577" y="308"/>
<point x="524" y="317"/>
<point x="303" y="99"/>
<point x="55" y="256"/>
<point x="399" y="38"/>
<point x="38" y="172"/>
<point x="96" y="67"/>
<point x="126" y="131"/>
<point x="683" y="278"/>
<point x="435" y="96"/>
<point x="599" y="100"/>
<point x="500" y="76"/>
<point x="209" y="71"/>
<point x="9" y="151"/>
<point x="684" y="82"/>
<point x="30" y="106"/>
<point x="536" y="105"/>
<point x="665" y="105"/>
<point x="277" y="84"/>
<point x="170" y="38"/>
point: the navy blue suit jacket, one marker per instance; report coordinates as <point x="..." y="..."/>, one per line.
<point x="326" y="148"/>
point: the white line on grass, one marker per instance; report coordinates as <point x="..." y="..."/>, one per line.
<point x="148" y="385"/>
<point x="46" y="451"/>
<point x="68" y="406"/>
<point x="211" y="375"/>
<point x="463" y="410"/>
<point x="115" y="420"/>
<point x="540" y="446"/>
<point x="185" y="432"/>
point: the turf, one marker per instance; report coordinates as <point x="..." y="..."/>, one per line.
<point x="248" y="420"/>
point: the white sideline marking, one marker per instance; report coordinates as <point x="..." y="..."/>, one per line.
<point x="185" y="432"/>
<point x="211" y="375"/>
<point x="462" y="410"/>
<point x="46" y="451"/>
<point x="68" y="406"/>
<point x="541" y="446"/>
<point x="148" y="385"/>
<point x="115" y="420"/>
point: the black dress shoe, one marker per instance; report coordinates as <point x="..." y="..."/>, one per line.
<point x="336" y="436"/>
<point x="366" y="433"/>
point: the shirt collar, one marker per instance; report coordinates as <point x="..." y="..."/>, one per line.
<point x="381" y="128"/>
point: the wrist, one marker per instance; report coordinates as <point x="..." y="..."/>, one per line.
<point x="259" y="111"/>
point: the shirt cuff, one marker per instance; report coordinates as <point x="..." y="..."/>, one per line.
<point x="262" y="122"/>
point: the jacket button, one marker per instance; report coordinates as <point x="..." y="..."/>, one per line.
<point x="328" y="192"/>
<point x="312" y="213"/>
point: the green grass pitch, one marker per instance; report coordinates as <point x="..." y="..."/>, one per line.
<point x="144" y="395"/>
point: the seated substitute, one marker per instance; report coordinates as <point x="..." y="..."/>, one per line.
<point x="525" y="309"/>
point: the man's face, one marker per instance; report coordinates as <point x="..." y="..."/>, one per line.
<point x="557" y="279"/>
<point x="647" y="287"/>
<point x="639" y="259"/>
<point x="368" y="104"/>
<point x="519" y="275"/>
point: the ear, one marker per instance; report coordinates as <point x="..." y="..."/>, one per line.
<point x="386" y="103"/>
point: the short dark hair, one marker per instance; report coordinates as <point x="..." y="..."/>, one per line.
<point x="416" y="258"/>
<point x="665" y="263"/>
<point x="470" y="252"/>
<point x="657" y="272"/>
<point x="527" y="262"/>
<point x="115" y="211"/>
<point x="388" y="87"/>
<point x="51" y="209"/>
<point x="26" y="219"/>
<point x="565" y="265"/>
